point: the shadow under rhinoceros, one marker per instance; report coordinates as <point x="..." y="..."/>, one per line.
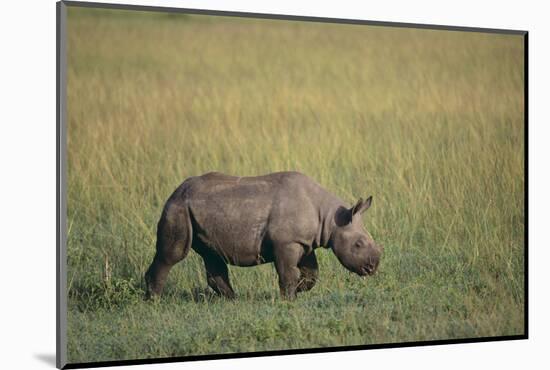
<point x="205" y="294"/>
<point x="200" y="295"/>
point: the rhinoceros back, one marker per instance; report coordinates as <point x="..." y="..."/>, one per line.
<point x="230" y="214"/>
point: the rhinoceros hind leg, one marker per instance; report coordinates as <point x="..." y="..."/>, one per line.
<point x="217" y="275"/>
<point x="309" y="271"/>
<point x="155" y="277"/>
<point x="174" y="236"/>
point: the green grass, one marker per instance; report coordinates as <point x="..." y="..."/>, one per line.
<point x="429" y="122"/>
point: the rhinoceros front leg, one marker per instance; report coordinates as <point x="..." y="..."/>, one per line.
<point x="287" y="258"/>
<point x="309" y="271"/>
<point x="217" y="276"/>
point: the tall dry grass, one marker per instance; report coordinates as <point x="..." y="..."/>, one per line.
<point x="429" y="122"/>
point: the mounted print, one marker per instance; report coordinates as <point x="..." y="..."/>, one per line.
<point x="234" y="184"/>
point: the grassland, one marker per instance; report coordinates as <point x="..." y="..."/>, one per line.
<point x="429" y="122"/>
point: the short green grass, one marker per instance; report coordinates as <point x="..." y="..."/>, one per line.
<point x="428" y="122"/>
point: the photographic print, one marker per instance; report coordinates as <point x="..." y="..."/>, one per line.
<point x="239" y="185"/>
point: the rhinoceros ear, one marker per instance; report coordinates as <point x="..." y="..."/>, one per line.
<point x="361" y="206"/>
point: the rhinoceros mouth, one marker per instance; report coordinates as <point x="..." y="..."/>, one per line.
<point x="366" y="270"/>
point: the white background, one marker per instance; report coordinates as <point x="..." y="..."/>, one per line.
<point x="27" y="196"/>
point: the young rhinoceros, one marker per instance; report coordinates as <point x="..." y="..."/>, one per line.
<point x="246" y="221"/>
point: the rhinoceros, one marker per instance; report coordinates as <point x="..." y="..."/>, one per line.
<point x="247" y="221"/>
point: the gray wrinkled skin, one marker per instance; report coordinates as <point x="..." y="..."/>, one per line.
<point x="246" y="221"/>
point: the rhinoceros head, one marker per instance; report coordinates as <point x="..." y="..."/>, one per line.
<point x="350" y="242"/>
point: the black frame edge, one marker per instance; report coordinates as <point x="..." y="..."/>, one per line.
<point x="227" y="13"/>
<point x="61" y="301"/>
<point x="289" y="352"/>
<point x="58" y="363"/>
<point x="526" y="178"/>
